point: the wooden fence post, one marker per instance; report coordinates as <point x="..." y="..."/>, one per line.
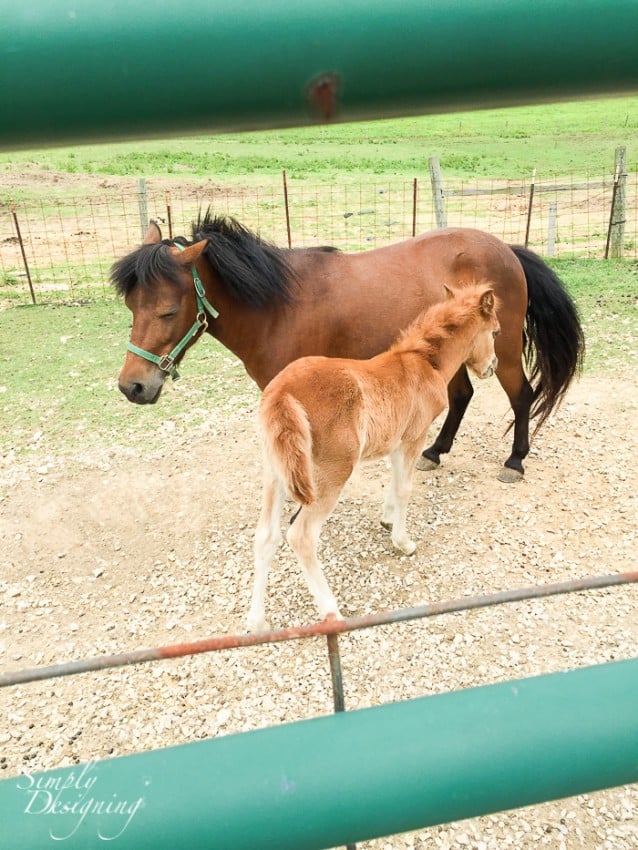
<point x="437" y="192"/>
<point x="287" y="207"/>
<point x="12" y="207"/>
<point x="142" y="200"/>
<point x="529" y="207"/>
<point x="617" y="216"/>
<point x="169" y="215"/>
<point x="551" y="229"/>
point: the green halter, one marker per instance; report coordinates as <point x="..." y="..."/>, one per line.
<point x="167" y="362"/>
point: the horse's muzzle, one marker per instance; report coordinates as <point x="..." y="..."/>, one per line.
<point x="140" y="393"/>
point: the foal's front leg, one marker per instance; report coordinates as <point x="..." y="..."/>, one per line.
<point x="396" y="504"/>
<point x="267" y="540"/>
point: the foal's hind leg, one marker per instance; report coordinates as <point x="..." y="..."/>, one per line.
<point x="267" y="539"/>
<point x="303" y="537"/>
<point x="460" y="392"/>
<point x="396" y="503"/>
<point x="521" y="395"/>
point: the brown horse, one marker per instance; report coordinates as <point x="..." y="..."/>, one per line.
<point x="320" y="416"/>
<point x="270" y="306"/>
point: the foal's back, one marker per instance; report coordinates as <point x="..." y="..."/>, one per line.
<point x="360" y="409"/>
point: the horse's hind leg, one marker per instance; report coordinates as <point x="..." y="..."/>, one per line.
<point x="460" y="392"/>
<point x="267" y="539"/>
<point x="521" y="395"/>
<point x="303" y="537"/>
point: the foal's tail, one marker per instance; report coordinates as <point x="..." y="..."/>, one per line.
<point x="554" y="343"/>
<point x="288" y="443"/>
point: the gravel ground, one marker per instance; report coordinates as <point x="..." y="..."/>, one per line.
<point x="119" y="549"/>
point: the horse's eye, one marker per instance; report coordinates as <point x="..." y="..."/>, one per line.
<point x="170" y="314"/>
<point x="495" y="334"/>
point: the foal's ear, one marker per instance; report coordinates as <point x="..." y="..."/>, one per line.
<point x="153" y="234"/>
<point x="191" y="254"/>
<point x="449" y="293"/>
<point x="487" y="302"/>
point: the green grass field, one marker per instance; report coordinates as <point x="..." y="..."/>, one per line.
<point x="566" y="138"/>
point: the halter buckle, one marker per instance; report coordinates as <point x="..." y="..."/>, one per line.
<point x="166" y="363"/>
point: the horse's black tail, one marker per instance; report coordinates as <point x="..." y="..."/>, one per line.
<point x="554" y="343"/>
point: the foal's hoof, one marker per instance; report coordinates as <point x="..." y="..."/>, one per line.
<point x="254" y="625"/>
<point x="510" y="476"/>
<point x="407" y="547"/>
<point x="386" y="524"/>
<point x="426" y="465"/>
<point x="331" y="616"/>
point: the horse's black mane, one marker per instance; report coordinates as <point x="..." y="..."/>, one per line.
<point x="253" y="270"/>
<point x="144" y="265"/>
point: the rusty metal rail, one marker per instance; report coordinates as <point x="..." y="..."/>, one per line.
<point x="329" y="627"/>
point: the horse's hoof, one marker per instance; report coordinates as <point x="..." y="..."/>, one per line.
<point x="425" y="464"/>
<point x="510" y="476"/>
<point x="386" y="524"/>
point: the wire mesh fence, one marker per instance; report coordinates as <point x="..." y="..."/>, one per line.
<point x="61" y="248"/>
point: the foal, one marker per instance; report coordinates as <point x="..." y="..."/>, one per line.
<point x="320" y="416"/>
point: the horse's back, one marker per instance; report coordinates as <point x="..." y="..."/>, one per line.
<point x="358" y="303"/>
<point x="450" y="256"/>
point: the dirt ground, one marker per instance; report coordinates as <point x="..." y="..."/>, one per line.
<point x="105" y="551"/>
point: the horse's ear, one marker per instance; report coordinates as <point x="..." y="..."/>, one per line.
<point x="449" y="293"/>
<point x="487" y="302"/>
<point x="191" y="254"/>
<point x="153" y="234"/>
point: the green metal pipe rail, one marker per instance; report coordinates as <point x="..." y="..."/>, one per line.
<point x="74" y="72"/>
<point x="347" y="777"/>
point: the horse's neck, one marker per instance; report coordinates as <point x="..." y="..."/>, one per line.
<point x="268" y="338"/>
<point x="251" y="335"/>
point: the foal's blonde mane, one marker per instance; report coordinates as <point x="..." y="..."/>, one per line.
<point x="427" y="333"/>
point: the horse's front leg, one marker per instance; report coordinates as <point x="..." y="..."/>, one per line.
<point x="460" y="392"/>
<point x="388" y="514"/>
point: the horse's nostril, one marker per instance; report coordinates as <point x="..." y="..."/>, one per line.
<point x="132" y="391"/>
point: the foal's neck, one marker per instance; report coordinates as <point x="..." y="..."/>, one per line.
<point x="444" y="350"/>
